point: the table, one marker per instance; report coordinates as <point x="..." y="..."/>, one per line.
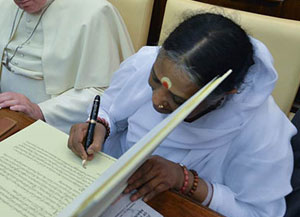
<point x="22" y="121"/>
<point x="169" y="203"/>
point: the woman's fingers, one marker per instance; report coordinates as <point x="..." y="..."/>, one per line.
<point x="77" y="138"/>
<point x="151" y="188"/>
<point x="158" y="189"/>
<point x="141" y="173"/>
<point x="153" y="177"/>
<point x="98" y="139"/>
<point x="140" y="177"/>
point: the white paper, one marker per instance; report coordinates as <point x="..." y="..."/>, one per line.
<point x="39" y="175"/>
<point x="123" y="207"/>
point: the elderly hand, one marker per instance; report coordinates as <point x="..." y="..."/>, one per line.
<point x="153" y="177"/>
<point x="19" y="102"/>
<point x="78" y="136"/>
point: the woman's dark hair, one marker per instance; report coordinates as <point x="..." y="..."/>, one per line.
<point x="206" y="45"/>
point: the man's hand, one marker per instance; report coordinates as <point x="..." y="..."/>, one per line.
<point x="77" y="139"/>
<point x="153" y="177"/>
<point x="19" y="102"/>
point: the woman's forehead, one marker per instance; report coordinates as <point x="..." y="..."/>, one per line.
<point x="174" y="78"/>
<point x="167" y="68"/>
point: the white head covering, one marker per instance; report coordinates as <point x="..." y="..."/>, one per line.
<point x="214" y="129"/>
<point x="190" y="143"/>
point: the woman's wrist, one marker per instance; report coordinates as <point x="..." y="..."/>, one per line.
<point x="180" y="178"/>
<point x="209" y="194"/>
<point x="105" y="124"/>
<point x="195" y="183"/>
<point x="190" y="184"/>
<point x="185" y="182"/>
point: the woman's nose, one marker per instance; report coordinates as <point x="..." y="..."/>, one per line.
<point x="160" y="96"/>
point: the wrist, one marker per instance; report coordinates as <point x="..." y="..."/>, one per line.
<point x="39" y="113"/>
<point x="194" y="183"/>
<point x="105" y="124"/>
<point x="180" y="179"/>
<point x="209" y="193"/>
<point x="186" y="181"/>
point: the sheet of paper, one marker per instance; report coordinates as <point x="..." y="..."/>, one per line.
<point x="39" y="175"/>
<point x="123" y="207"/>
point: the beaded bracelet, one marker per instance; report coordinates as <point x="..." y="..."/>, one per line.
<point x="186" y="179"/>
<point x="195" y="183"/>
<point x="105" y="124"/>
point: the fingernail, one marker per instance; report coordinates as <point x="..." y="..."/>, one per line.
<point x="90" y="151"/>
<point x="145" y="199"/>
<point x="84" y="164"/>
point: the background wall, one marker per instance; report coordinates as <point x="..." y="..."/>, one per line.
<point x="289" y="9"/>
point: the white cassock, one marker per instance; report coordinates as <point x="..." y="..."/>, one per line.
<point x="68" y="60"/>
<point x="242" y="147"/>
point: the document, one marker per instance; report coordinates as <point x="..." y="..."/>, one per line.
<point x="123" y="207"/>
<point x="39" y="175"/>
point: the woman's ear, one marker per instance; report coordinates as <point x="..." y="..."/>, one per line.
<point x="233" y="91"/>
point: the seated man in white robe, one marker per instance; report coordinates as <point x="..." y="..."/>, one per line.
<point x="56" y="55"/>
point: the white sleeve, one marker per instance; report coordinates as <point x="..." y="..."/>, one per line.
<point x="127" y="91"/>
<point x="120" y="77"/>
<point x="69" y="108"/>
<point x="226" y="202"/>
<point x="256" y="171"/>
<point x="121" y="84"/>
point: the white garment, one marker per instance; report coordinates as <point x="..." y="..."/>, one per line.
<point x="66" y="109"/>
<point x="26" y="73"/>
<point x="83" y="44"/>
<point x="24" y="85"/>
<point x="28" y="59"/>
<point x="242" y="148"/>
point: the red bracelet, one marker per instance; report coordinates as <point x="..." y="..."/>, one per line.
<point x="186" y="179"/>
<point x="105" y="124"/>
<point x="195" y="183"/>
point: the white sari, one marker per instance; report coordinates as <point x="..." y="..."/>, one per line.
<point x="242" y="148"/>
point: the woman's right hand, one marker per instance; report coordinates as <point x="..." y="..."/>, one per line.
<point x="78" y="136"/>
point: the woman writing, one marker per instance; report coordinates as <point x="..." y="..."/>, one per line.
<point x="233" y="149"/>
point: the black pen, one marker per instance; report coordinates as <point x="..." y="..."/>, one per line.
<point x="92" y="125"/>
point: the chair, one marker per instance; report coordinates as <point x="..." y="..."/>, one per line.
<point x="137" y="16"/>
<point x="292" y="200"/>
<point x="281" y="36"/>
